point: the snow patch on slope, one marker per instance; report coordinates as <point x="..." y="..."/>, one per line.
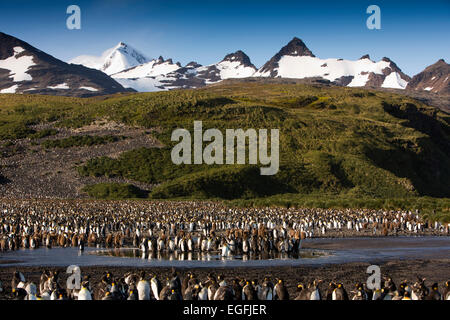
<point x="393" y="80"/>
<point x="234" y="69"/>
<point x="152" y="68"/>
<point x="141" y="84"/>
<point x="330" y="69"/>
<point x="89" y="89"/>
<point x="10" y="89"/>
<point x="18" y="67"/>
<point x="61" y="86"/>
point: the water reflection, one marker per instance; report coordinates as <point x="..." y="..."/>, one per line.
<point x="204" y="256"/>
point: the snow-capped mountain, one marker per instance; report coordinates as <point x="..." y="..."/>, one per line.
<point x="25" y="69"/>
<point x="234" y="65"/>
<point x="113" y="60"/>
<point x="296" y="61"/>
<point x="148" y="76"/>
<point x="435" y="78"/>
<point x="163" y="74"/>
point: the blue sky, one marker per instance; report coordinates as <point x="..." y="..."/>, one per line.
<point x="414" y="34"/>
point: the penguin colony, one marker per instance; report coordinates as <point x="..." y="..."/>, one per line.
<point x="133" y="286"/>
<point x="191" y="226"/>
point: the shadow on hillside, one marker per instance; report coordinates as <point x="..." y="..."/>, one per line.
<point x="423" y="122"/>
<point x="427" y="169"/>
<point x="215" y="102"/>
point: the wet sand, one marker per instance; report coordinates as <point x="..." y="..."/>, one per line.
<point x="377" y="243"/>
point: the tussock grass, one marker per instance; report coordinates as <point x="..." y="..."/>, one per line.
<point x="338" y="145"/>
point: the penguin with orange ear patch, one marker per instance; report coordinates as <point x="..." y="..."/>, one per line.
<point x="280" y="290"/>
<point x="302" y="292"/>
<point x="330" y="289"/>
<point x="339" y="293"/>
<point x="174" y="295"/>
<point x="434" y="293"/>
<point x="249" y="292"/>
<point x="84" y="293"/>
<point x="406" y="296"/>
<point x="446" y="291"/>
<point x="132" y="293"/>
<point x="315" y="291"/>
<point x="19" y="293"/>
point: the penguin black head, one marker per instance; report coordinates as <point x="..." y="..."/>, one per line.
<point x="19" y="293"/>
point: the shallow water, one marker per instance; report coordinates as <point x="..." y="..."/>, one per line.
<point x="318" y="253"/>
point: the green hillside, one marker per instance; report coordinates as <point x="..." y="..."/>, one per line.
<point x="335" y="142"/>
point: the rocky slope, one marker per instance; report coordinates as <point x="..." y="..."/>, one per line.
<point x="435" y="78"/>
<point x="26" y="69"/>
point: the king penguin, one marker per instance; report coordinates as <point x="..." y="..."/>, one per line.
<point x="84" y="293"/>
<point x="143" y="288"/>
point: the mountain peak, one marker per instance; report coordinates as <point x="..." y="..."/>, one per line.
<point x="296" y="47"/>
<point x="114" y="60"/>
<point x="434" y="78"/>
<point x="366" y="56"/>
<point x="193" y="64"/>
<point x="37" y="72"/>
<point x="239" y="56"/>
<point x="440" y="62"/>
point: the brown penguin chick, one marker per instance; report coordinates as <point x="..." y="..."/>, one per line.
<point x="224" y="293"/>
<point x="102" y="288"/>
<point x="185" y="282"/>
<point x="165" y="291"/>
<point x="191" y="292"/>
